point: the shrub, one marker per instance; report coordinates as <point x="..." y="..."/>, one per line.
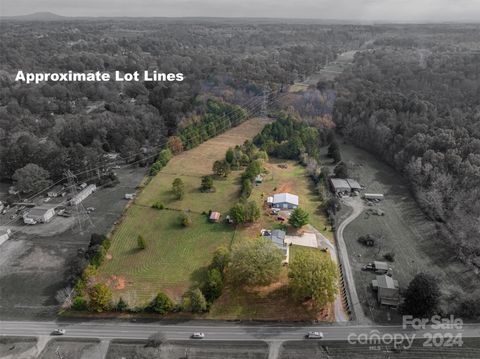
<point x="121" y="306"/>
<point x="100" y="298"/>
<point x="213" y="286"/>
<point x="368" y="240"/>
<point x="79" y="303"/>
<point x="194" y="301"/>
<point x="141" y="243"/>
<point x="185" y="220"/>
<point x="298" y="218"/>
<point x="207" y="183"/>
<point x="161" y="304"/>
<point x="178" y="188"/>
<point x="221" y="259"/>
<point x="158" y="205"/>
<point x="390" y="256"/>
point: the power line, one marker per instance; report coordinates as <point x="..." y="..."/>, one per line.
<point x="255" y="104"/>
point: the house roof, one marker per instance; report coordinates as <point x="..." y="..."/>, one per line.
<point x="4" y="232"/>
<point x="39" y="211"/>
<point x="353" y="184"/>
<point x="285" y="198"/>
<point x="215" y="216"/>
<point x="339" y="183"/>
<point x="384" y="281"/>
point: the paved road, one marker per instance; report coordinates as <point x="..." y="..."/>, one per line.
<point x="357" y="207"/>
<point x="110" y="329"/>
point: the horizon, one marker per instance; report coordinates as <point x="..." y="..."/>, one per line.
<point x="333" y="21"/>
<point x="357" y="11"/>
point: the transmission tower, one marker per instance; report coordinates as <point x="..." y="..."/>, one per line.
<point x="82" y="218"/>
<point x="264" y="108"/>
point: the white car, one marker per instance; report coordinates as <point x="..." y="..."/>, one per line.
<point x="314" y="335"/>
<point x="198" y="335"/>
<point x="59" y="332"/>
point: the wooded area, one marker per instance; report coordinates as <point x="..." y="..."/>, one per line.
<point x="416" y="105"/>
<point x="61" y="126"/>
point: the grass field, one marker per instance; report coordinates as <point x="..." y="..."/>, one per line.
<point x="273" y="302"/>
<point x="175" y="257"/>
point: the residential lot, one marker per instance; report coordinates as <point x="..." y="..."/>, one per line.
<point x="274" y="302"/>
<point x="175" y="256"/>
<point x="405" y="231"/>
<point x="33" y="261"/>
<point x="190" y="349"/>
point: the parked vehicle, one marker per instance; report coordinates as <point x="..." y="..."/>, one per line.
<point x="378" y="268"/>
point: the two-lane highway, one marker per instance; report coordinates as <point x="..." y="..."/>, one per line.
<point x="110" y="329"/>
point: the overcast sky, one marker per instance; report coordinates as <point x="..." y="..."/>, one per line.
<point x="359" y="10"/>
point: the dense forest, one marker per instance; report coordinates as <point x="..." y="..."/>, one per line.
<point x="416" y="104"/>
<point x="60" y="126"/>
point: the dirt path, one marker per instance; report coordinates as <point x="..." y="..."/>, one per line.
<point x="357" y="208"/>
<point x="323" y="242"/>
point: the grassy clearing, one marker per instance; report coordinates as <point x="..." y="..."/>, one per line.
<point x="406" y="232"/>
<point x="273" y="302"/>
<point x="175" y="257"/>
<point x="172" y="260"/>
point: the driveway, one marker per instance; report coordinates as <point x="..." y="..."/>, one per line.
<point x="356" y="204"/>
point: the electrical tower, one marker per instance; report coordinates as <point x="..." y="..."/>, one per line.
<point x="82" y="218"/>
<point x="264" y="108"/>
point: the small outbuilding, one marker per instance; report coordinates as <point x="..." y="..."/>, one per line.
<point x="4" y="234"/>
<point x="387" y="290"/>
<point x="39" y="215"/>
<point x="354" y="185"/>
<point x="82" y="195"/>
<point x="214" y="217"/>
<point x="340" y="186"/>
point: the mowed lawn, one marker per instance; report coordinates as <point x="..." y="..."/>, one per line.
<point x="175" y="256"/>
<point x="292" y="179"/>
<point x="191" y="165"/>
<point x="172" y="260"/>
